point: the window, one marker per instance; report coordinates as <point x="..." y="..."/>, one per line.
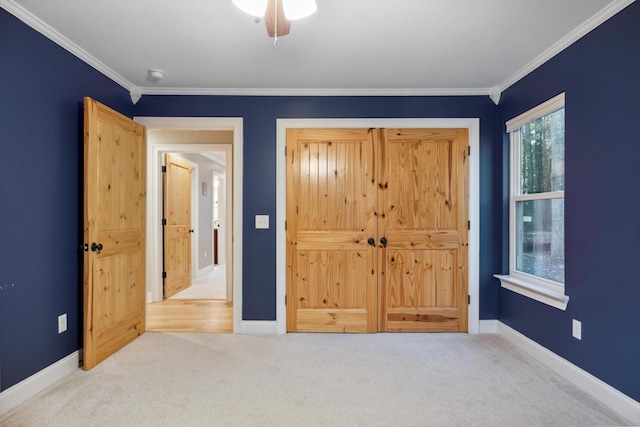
<point x="536" y="204"/>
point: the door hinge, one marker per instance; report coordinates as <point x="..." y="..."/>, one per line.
<point x="468" y="225"/>
<point x="285" y="300"/>
<point x="468" y="299"/>
<point x="285" y="225"/>
<point x="469" y="149"/>
<point x="164" y="221"/>
<point x="164" y="274"/>
<point x="164" y="169"/>
<point x="285" y="151"/>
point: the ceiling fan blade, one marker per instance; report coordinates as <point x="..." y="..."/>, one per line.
<point x="284" y="25"/>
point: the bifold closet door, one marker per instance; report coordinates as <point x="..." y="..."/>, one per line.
<point x="331" y="223"/>
<point x="423" y="217"/>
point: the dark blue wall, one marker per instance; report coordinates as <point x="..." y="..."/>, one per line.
<point x="260" y="114"/>
<point x="41" y="92"/>
<point x="600" y="75"/>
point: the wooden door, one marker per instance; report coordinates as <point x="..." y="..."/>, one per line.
<point x="407" y="189"/>
<point x="331" y="202"/>
<point x="114" y="231"/>
<point x="177" y="225"/>
<point x="423" y="214"/>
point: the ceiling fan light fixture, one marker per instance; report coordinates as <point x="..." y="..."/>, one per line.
<point x="255" y="8"/>
<point x="297" y="9"/>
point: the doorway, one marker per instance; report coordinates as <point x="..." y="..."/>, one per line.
<point x="233" y="128"/>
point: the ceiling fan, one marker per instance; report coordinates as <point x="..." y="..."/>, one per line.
<point x="277" y="14"/>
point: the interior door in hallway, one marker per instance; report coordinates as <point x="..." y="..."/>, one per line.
<point x="114" y="231"/>
<point x="423" y="218"/>
<point x="331" y="201"/>
<point x="177" y="224"/>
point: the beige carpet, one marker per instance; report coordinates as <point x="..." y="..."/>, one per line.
<point x="210" y="285"/>
<point x="314" y="380"/>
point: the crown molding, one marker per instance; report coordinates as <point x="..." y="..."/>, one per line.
<point x="584" y="28"/>
<point x="314" y="91"/>
<point x="49" y="32"/>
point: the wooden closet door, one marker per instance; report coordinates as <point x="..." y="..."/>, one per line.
<point x="331" y="202"/>
<point x="423" y="214"/>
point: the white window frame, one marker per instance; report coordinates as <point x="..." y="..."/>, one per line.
<point x="538" y="288"/>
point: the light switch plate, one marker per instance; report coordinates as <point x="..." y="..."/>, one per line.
<point x="262" y="221"/>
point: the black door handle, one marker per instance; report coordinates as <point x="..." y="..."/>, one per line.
<point x="96" y="247"/>
<point x="371" y="241"/>
<point x="191" y="231"/>
<point x="383" y="240"/>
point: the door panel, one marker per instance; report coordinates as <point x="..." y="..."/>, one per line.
<point x="177" y="231"/>
<point x="114" y="216"/>
<point x="423" y="215"/>
<point x="331" y="280"/>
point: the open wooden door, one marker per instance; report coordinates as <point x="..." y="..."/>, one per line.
<point x="331" y="224"/>
<point x="423" y="219"/>
<point x="114" y="231"/>
<point x="177" y="224"/>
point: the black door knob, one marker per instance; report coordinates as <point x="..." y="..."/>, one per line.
<point x="383" y="240"/>
<point x="96" y="246"/>
<point x="191" y="231"/>
<point x="371" y="241"/>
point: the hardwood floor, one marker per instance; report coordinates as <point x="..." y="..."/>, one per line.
<point x="211" y="316"/>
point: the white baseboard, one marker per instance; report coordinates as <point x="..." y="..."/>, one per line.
<point x="26" y="389"/>
<point x="259" y="327"/>
<point x="614" y="399"/>
<point x="488" y="327"/>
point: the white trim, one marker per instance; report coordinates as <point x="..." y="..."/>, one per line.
<point x="536" y="292"/>
<point x="584" y="28"/>
<point x="614" y="399"/>
<point x="43" y="28"/>
<point x="547" y="107"/>
<point x="488" y="326"/>
<point x="259" y="327"/>
<point x="473" y="124"/>
<point x="316" y="91"/>
<point x="29" y="387"/>
<point x="234" y="242"/>
<point x="539" y="196"/>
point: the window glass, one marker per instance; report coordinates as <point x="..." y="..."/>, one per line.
<point x="540" y="238"/>
<point x="542" y="154"/>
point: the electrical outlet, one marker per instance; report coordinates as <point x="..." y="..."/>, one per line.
<point x="577" y="329"/>
<point x="62" y="323"/>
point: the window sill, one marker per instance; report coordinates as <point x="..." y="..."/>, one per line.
<point x="536" y="292"/>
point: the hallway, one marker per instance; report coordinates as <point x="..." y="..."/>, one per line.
<point x="200" y="308"/>
<point x="210" y="285"/>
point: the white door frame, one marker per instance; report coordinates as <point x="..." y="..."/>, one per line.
<point x="473" y="124"/>
<point x="234" y="209"/>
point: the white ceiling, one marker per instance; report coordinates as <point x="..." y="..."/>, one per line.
<point x="366" y="47"/>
